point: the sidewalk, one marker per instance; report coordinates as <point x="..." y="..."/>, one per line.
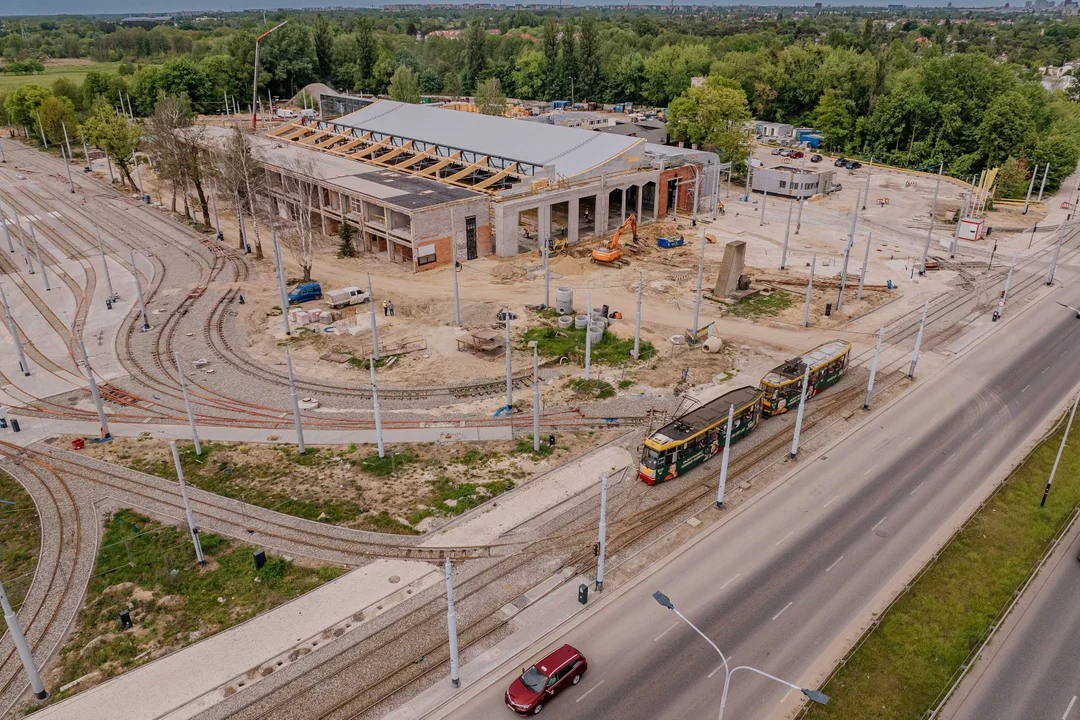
<point x="194" y="679"/>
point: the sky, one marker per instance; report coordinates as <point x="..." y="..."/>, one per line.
<point x="147" y="7"/>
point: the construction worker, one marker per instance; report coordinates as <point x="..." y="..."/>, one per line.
<point x="385" y="307"/>
<point x="391" y="306"/>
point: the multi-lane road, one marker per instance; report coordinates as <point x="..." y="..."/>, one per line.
<point x="787" y="583"/>
<point x="1032" y="668"/>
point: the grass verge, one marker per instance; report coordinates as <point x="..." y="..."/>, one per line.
<point x="761" y="305"/>
<point x="20" y="539"/>
<point x="150" y="570"/>
<point x="611" y="350"/>
<point x="75" y="73"/>
<point x="904" y="666"/>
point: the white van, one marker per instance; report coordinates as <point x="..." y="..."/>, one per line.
<point x="309" y="114"/>
<point x="286" y="113"/>
<point x="346" y="296"/>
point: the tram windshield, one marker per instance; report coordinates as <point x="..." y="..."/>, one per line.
<point x="649" y="459"/>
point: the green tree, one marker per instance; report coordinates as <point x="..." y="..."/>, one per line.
<point x="714" y="117"/>
<point x="549" y="41"/>
<point x="1012" y="179"/>
<point x="405" y="86"/>
<point x="430" y="82"/>
<point x="22" y="105"/>
<point x="1006" y="128"/>
<point x="114" y="135"/>
<point x="345" y="234"/>
<point x="288" y="59"/>
<point x="490" y="97"/>
<point x="529" y="75"/>
<point x="57" y="113"/>
<point x="323" y="37"/>
<point x="668" y="71"/>
<point x="834" y="117"/>
<point x="475" y="55"/>
<point x="367" y="53"/>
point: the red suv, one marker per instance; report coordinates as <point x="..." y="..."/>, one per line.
<point x="560" y="669"/>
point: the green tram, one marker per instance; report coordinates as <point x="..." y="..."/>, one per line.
<point x="783" y="385"/>
<point x="693" y="438"/>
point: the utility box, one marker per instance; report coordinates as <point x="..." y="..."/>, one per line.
<point x="260" y="559"/>
<point x="583" y="593"/>
<point x="125" y="620"/>
<point x="971" y="229"/>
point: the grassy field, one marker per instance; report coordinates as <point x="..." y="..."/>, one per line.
<point x="20" y="539"/>
<point x="903" y="667"/>
<point x="151" y="570"/>
<point x="761" y="305"/>
<point x="611" y="350"/>
<point x="74" y="72"/>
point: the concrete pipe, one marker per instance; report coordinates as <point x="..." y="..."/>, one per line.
<point x="712" y="344"/>
<point x="564" y="301"/>
<point x="565" y="322"/>
<point x="581" y="322"/>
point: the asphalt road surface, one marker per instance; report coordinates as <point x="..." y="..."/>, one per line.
<point x="781" y="581"/>
<point x="1035" y="672"/>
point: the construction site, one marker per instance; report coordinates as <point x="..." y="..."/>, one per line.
<point x="521" y="306"/>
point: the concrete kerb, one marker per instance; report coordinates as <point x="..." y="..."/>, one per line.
<point x="589" y="611"/>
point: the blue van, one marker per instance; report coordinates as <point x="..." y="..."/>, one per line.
<point x="305" y="292"/>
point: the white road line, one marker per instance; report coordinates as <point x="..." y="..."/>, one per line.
<point x="1069" y="709"/>
<point x="737" y="575"/>
<point x="784" y="699"/>
<point x="950" y="457"/>
<point x="584" y="694"/>
<point x="1025" y="389"/>
<point x="1044" y="371"/>
<point x="830" y="502"/>
<point x="782" y="611"/>
<point x="871" y="469"/>
<point x="977" y="432"/>
<point x="878" y="523"/>
<point x="670" y="628"/>
<point x="916" y="488"/>
<point x="834" y="563"/>
<point x="784" y="538"/>
<point x="718" y="669"/>
<point x="906" y="440"/>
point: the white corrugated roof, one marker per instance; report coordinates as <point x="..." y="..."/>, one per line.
<point x="571" y="150"/>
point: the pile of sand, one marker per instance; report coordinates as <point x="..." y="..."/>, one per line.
<point x="507" y="271"/>
<point x="568" y="266"/>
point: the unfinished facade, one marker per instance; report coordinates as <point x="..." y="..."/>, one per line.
<point x="403" y="175"/>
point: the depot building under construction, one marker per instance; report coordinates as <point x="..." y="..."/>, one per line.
<point x="408" y="178"/>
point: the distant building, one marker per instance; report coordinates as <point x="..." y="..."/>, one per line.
<point x="775" y="131"/>
<point x="147" y="20"/>
<point x="653" y="131"/>
<point x="792" y="182"/>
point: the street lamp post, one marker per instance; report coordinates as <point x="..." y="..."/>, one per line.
<point x="814" y="695"/>
<point x="536" y="395"/>
<point x="255" y="77"/>
<point x="1064" y="438"/>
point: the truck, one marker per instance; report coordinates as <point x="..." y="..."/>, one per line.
<point x="351" y="295"/>
<point x="305" y="292"/>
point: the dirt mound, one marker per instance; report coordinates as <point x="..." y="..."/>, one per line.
<point x="507" y="271"/>
<point x="568" y="266"/>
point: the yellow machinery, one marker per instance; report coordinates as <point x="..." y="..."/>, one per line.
<point x="609" y="252"/>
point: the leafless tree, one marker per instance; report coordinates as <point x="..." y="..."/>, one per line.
<point x="301" y="235"/>
<point x="179" y="150"/>
<point x="242" y="177"/>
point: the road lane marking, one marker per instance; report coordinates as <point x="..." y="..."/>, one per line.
<point x="950" y="457"/>
<point x="908" y="438"/>
<point x="585" y="694"/>
<point x="830" y="502"/>
<point x="1044" y="371"/>
<point x="1025" y="389"/>
<point x="782" y="611"/>
<point x="834" y="563"/>
<point x="737" y="576"/>
<point x="916" y="488"/>
<point x="977" y="433"/>
<point x="784" y="699"/>
<point x="718" y="669"/>
<point x="1069" y="709"/>
<point x="878" y="523"/>
<point x="670" y="628"/>
<point x="784" y="538"/>
<point x="871" y="469"/>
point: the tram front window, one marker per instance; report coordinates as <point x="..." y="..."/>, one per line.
<point x="649" y="459"/>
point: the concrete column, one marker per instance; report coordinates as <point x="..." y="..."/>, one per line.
<point x="656" y="200"/>
<point x="640" y="192"/>
<point x="506" y="231"/>
<point x="622" y="210"/>
<point x="573" y="208"/>
<point x="602" y="212"/>
<point x="543" y="221"/>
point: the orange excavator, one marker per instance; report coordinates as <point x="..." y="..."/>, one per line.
<point x="609" y="252"/>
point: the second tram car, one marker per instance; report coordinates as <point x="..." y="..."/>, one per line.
<point x="783" y="385"/>
<point x="698" y="435"/>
